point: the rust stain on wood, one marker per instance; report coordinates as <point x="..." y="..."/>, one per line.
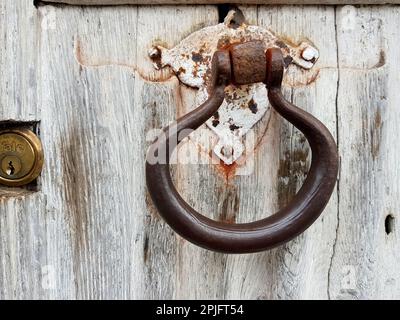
<point x="227" y="171"/>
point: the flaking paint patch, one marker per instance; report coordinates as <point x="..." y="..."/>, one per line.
<point x="243" y="105"/>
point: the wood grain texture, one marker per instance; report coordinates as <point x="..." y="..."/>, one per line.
<point x="261" y="2"/>
<point x="280" y="163"/>
<point x="91" y="232"/>
<point x="120" y="249"/>
<point x="24" y="220"/>
<point x="364" y="264"/>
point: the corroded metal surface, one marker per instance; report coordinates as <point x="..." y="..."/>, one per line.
<point x="248" y="62"/>
<point x="245" y="104"/>
<point x="269" y="232"/>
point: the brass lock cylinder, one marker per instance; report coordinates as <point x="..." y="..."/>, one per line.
<point x="21" y="157"/>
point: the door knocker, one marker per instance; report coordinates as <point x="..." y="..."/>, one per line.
<point x="245" y="63"/>
<point x="244" y="105"/>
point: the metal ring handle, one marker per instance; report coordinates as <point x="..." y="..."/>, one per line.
<point x="263" y="234"/>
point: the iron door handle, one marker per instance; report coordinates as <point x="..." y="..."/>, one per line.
<point x="288" y="222"/>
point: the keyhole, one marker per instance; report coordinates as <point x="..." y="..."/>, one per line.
<point x="389" y="224"/>
<point x="10" y="170"/>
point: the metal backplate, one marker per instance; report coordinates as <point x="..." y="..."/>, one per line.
<point x="244" y="105"/>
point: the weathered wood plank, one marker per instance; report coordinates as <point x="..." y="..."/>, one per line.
<point x="18" y="58"/>
<point x="366" y="255"/>
<point x="30" y="230"/>
<point x="281" y="160"/>
<point x="160" y="104"/>
<point x="91" y="231"/>
<point x="261" y="2"/>
<point x="83" y="122"/>
<point x="88" y="229"/>
<point x="92" y="63"/>
<point x="299" y="268"/>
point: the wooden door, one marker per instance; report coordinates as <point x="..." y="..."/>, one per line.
<point x="81" y="76"/>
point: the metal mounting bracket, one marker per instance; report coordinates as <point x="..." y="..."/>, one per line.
<point x="244" y="105"/>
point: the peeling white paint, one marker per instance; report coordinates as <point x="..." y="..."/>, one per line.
<point x="244" y="105"/>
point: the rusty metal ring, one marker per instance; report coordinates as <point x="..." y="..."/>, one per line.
<point x="288" y="222"/>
